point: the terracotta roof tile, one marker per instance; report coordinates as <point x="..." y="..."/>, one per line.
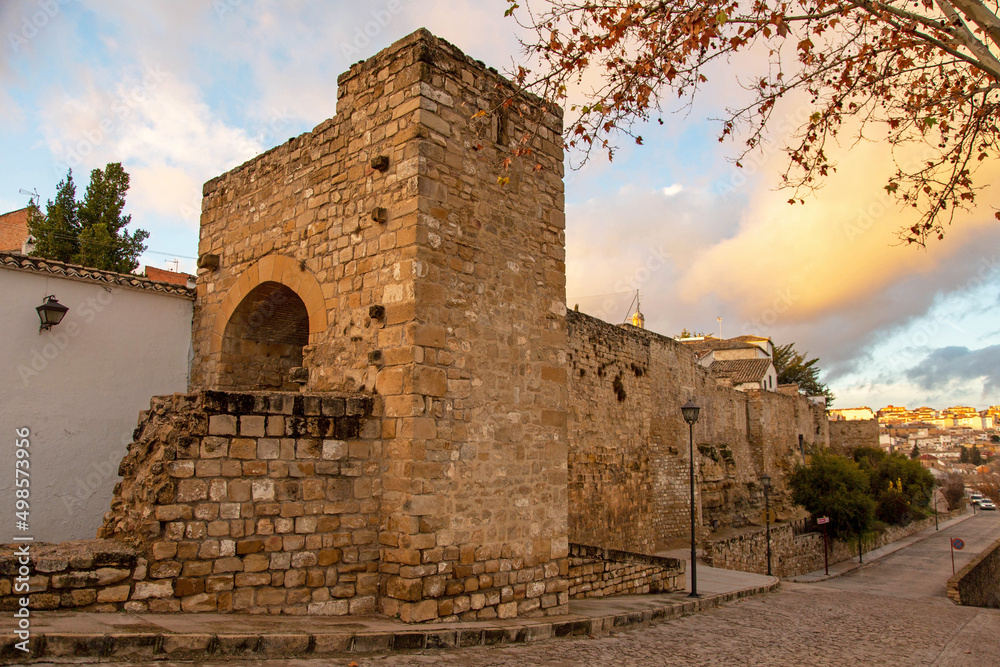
<point x="742" y="370"/>
<point x="164" y="276"/>
<point x="18" y="262"/>
<point x="749" y="339"/>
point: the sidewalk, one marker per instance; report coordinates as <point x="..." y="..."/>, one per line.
<point x="122" y="637"/>
<point x="851" y="564"/>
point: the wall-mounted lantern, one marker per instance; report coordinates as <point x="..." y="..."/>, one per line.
<point x="50" y="313"/>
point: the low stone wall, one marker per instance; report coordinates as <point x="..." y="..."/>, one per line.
<point x="94" y="575"/>
<point x="978" y="583"/>
<point x="595" y="572"/>
<point x="791" y="554"/>
<point x="252" y="502"/>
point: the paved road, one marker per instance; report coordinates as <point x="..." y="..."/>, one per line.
<point x="921" y="571"/>
<point x="892" y="612"/>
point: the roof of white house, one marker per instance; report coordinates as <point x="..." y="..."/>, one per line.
<point x="742" y="370"/>
<point x="18" y="262"/>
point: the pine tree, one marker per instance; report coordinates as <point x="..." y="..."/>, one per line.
<point x="793" y="367"/>
<point x="56" y="232"/>
<point x="92" y="232"/>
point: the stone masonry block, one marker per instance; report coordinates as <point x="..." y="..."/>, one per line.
<point x="214" y="447"/>
<point x="334" y="449"/>
<point x="145" y="590"/>
<point x="189" y="490"/>
<point x="268" y="448"/>
<point x="222" y="425"/>
<point x="404" y="589"/>
<point x="243" y="448"/>
<point x="252" y="426"/>
<point x="263" y="489"/>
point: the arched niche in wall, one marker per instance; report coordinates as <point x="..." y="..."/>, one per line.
<point x="263" y="339"/>
<point x="267" y="274"/>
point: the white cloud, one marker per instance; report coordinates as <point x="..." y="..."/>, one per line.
<point x="154" y="126"/>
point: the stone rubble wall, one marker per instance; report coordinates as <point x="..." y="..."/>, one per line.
<point x="848" y="435"/>
<point x="792" y="554"/>
<point x="91" y="575"/>
<point x="629" y="444"/>
<point x="595" y="572"/>
<point x="978" y="583"/>
<point x="255" y="502"/>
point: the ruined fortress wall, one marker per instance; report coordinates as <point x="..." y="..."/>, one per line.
<point x="848" y="435"/>
<point x="628" y="456"/>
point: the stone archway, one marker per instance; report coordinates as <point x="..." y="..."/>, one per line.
<point x="263" y="340"/>
<point x="274" y="309"/>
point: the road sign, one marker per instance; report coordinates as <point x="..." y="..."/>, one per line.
<point x="957" y="543"/>
<point x="823" y="519"/>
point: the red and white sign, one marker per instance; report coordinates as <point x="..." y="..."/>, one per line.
<point x="823" y="519"/>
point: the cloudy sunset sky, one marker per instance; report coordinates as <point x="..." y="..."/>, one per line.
<point x="180" y="91"/>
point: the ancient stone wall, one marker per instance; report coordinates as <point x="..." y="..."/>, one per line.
<point x="456" y="425"/>
<point x="848" y="435"/>
<point x="797" y="554"/>
<point x="595" y="572"/>
<point x="629" y="444"/>
<point x="264" y="503"/>
<point x="93" y="575"/>
<point x="428" y="276"/>
<point x="978" y="583"/>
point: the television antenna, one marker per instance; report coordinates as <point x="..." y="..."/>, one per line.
<point x="33" y="194"/>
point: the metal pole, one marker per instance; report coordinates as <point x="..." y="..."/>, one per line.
<point x="826" y="551"/>
<point x="694" y="556"/>
<point x="767" y="522"/>
<point x="935" y="511"/>
<point x="860" y="560"/>
<point x="952" y="545"/>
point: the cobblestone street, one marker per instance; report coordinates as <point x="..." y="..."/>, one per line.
<point x="802" y="624"/>
<point x="892" y="612"/>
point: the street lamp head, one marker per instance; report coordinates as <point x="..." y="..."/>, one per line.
<point x="690" y="412"/>
<point x="765" y="481"/>
<point x="50" y="313"/>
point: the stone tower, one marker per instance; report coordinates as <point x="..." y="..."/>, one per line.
<point x="381" y="254"/>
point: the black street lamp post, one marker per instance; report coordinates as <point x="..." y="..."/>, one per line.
<point x="765" y="481"/>
<point x="690" y="412"/>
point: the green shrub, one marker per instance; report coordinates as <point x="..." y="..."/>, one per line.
<point x="893" y="508"/>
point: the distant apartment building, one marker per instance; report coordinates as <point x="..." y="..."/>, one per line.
<point x="892" y="414"/>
